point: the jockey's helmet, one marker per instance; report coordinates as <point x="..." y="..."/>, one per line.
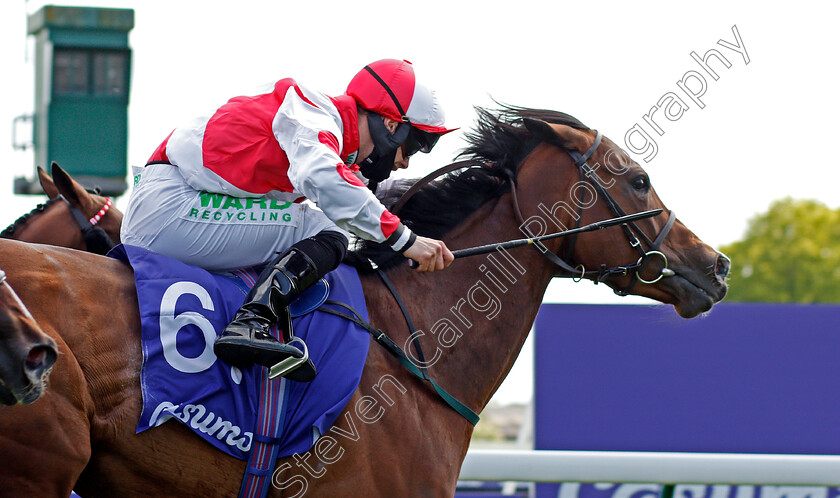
<point x="388" y="87"/>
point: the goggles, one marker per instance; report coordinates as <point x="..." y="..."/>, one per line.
<point x="419" y="141"/>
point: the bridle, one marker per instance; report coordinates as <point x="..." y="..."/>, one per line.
<point x="598" y="275"/>
<point x="95" y="238"/>
<point x="579" y="272"/>
<point x="87" y="224"/>
<point x="566" y="269"/>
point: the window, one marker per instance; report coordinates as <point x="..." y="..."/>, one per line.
<point x="71" y="72"/>
<point x="109" y="73"/>
<point x="85" y="72"/>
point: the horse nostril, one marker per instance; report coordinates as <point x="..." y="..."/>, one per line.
<point x="40" y="359"/>
<point x="722" y="266"/>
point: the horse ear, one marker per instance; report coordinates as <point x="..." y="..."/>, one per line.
<point x="67" y="186"/>
<point x="538" y="127"/>
<point x="560" y="135"/>
<point x="47" y="183"/>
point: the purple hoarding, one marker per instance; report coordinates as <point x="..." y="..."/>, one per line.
<point x="746" y="378"/>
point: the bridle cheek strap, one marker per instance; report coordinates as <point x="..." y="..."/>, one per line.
<point x="85" y="223"/>
<point x="521" y="220"/>
<point x="601" y="274"/>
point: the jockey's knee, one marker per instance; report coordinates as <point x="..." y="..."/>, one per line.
<point x="326" y="249"/>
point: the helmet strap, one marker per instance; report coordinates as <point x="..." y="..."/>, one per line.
<point x="403" y="117"/>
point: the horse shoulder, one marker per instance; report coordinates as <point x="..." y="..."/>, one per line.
<point x="64" y="414"/>
<point x="395" y="437"/>
<point x="89" y="304"/>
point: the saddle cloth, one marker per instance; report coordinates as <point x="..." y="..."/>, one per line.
<point x="183" y="308"/>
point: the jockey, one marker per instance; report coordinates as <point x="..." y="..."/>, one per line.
<point x="225" y="191"/>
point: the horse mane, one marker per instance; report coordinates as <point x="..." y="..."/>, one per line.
<point x="10" y="230"/>
<point x="499" y="141"/>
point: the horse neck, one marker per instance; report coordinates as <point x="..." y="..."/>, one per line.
<point x="475" y="316"/>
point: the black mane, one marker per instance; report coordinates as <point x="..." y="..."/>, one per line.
<point x="10" y="230"/>
<point x="499" y="141"/>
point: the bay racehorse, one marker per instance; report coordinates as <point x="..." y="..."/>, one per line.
<point x="72" y="217"/>
<point x="537" y="171"/>
<point x="27" y="353"/>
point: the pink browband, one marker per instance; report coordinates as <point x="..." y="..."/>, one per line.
<point x="98" y="216"/>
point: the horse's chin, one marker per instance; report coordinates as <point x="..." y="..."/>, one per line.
<point x="24" y="395"/>
<point x="6" y="396"/>
<point x="692" y="296"/>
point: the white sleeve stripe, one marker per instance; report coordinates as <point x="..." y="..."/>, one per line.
<point x="402" y="242"/>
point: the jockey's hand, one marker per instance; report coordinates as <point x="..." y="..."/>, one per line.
<point x="430" y="254"/>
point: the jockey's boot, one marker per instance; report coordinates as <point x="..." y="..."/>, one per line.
<point x="247" y="339"/>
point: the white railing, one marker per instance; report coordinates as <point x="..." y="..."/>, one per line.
<point x="650" y="467"/>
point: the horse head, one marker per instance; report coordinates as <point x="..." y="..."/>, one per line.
<point x="72" y="217"/>
<point x="90" y="203"/>
<point x="27" y="354"/>
<point x="657" y="257"/>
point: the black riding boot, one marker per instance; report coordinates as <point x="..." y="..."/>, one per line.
<point x="247" y="339"/>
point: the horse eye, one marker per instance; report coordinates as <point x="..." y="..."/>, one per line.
<point x="641" y="183"/>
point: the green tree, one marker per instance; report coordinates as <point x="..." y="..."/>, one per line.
<point x="791" y="253"/>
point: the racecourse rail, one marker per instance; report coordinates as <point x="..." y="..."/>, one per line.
<point x="650" y="467"/>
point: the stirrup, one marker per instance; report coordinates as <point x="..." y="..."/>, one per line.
<point x="290" y="364"/>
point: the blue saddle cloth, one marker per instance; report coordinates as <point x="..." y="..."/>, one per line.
<point x="183" y="308"/>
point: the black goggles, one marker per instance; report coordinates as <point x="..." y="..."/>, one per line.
<point x="420" y="141"/>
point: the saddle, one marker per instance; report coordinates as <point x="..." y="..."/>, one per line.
<point x="182" y="309"/>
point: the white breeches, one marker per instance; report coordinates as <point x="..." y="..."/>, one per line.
<point x="213" y="231"/>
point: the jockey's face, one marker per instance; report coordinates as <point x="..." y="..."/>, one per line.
<point x="401" y="160"/>
<point x="366" y="142"/>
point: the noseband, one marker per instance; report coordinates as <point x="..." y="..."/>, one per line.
<point x="579" y="272"/>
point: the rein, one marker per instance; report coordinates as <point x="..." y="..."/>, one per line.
<point x="586" y="173"/>
<point x="419" y="184"/>
<point x="396" y="351"/>
<point x="577" y="272"/>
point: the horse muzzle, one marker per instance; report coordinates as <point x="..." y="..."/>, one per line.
<point x="26" y="384"/>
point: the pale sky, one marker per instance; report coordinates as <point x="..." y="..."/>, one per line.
<point x="765" y="130"/>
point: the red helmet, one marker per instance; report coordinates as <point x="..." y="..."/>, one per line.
<point x="388" y="87"/>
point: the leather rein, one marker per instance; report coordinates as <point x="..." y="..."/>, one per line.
<point x="417" y="366"/>
<point x="566" y="269"/>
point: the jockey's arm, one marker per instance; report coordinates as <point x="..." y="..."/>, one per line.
<point x="317" y="171"/>
<point x="430" y="254"/>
